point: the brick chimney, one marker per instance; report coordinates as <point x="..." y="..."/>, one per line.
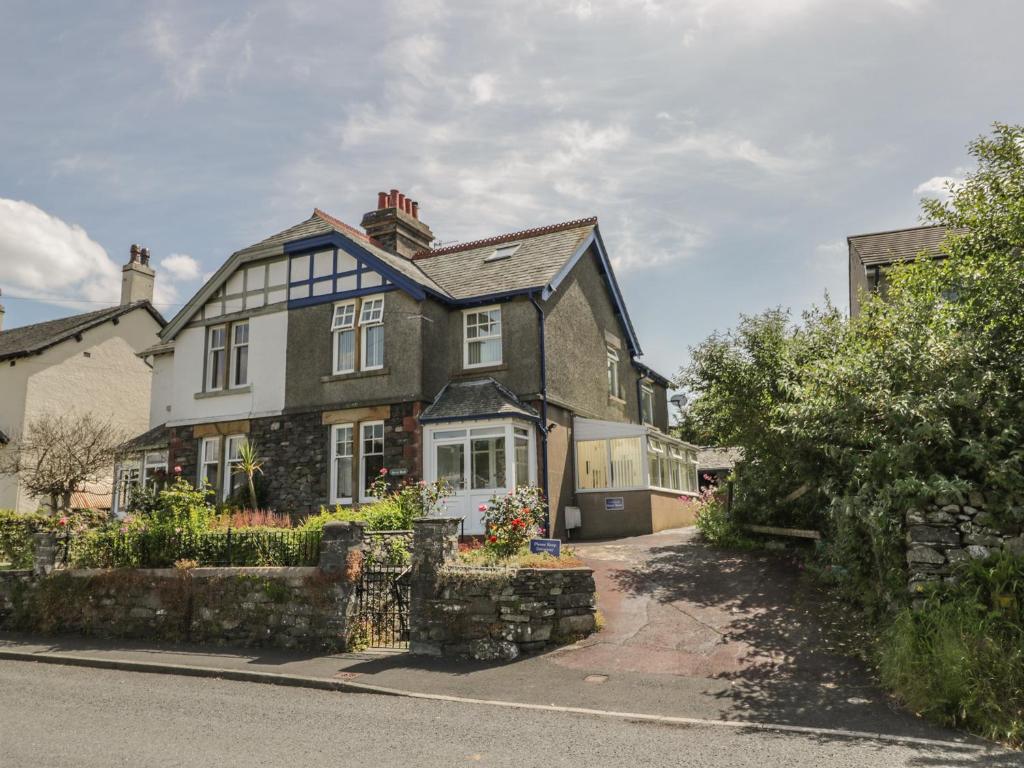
<point x="396" y="224"/>
<point x="137" y="277"/>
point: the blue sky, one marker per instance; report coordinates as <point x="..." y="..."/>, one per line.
<point x="728" y="146"/>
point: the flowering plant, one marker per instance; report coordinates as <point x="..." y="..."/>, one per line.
<point x="513" y="519"/>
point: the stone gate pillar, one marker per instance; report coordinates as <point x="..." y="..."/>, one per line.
<point x="435" y="541"/>
<point x="341" y="548"/>
<point x="340" y="538"/>
<point x="44" y="559"/>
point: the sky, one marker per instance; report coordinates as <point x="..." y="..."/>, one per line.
<point x="728" y="147"/>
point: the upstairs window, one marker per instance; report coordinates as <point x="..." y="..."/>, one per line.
<point x="239" y="354"/>
<point x="647" y="403"/>
<point x="482" y="337"/>
<point x="216" y="360"/>
<point x="343" y="326"/>
<point x="613" y="373"/>
<point x="371" y="325"/>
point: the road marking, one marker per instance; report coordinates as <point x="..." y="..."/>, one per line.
<point x="319" y="683"/>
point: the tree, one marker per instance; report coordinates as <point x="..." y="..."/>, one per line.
<point x="58" y="455"/>
<point x="250" y="464"/>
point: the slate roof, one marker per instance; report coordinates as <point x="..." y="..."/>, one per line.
<point x="462" y="270"/>
<point x="898" y="244"/>
<point x="476" y="399"/>
<point x="32" y="339"/>
<point x="157" y="437"/>
<point x="711" y="457"/>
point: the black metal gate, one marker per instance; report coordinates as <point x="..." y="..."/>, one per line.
<point x="383" y="593"/>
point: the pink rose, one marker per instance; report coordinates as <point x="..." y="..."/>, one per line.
<point x="383" y="470"/>
<point x="482" y="508"/>
<point x="177" y="469"/>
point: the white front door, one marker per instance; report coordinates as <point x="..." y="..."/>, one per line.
<point x="479" y="460"/>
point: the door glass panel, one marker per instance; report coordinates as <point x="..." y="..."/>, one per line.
<point x="451" y="465"/>
<point x="488" y="462"/>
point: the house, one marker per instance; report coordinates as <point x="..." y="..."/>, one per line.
<point x="871" y="254"/>
<point x="343" y="353"/>
<point x="82" y="363"/>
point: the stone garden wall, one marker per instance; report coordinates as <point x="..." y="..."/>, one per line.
<point x="949" y="531"/>
<point x="491" y="613"/>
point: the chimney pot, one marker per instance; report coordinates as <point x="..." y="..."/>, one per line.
<point x="393" y="199"/>
<point x="382" y="200"/>
<point x="144" y="256"/>
<point x="415" y="210"/>
<point x="133" y="254"/>
<point x="400" y="205"/>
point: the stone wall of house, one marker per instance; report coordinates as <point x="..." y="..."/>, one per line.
<point x="949" y="531"/>
<point x="491" y="613"/>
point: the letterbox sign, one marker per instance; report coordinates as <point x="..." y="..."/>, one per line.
<point x="551" y="547"/>
<point x="614" y="503"/>
<point x="398" y="471"/>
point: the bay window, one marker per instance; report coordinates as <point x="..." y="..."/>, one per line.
<point x="343" y="327"/>
<point x="487" y="452"/>
<point x="482" y="337"/>
<point x="154" y="469"/>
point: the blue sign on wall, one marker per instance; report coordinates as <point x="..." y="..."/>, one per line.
<point x="612" y="503"/>
<point x="551" y="547"/>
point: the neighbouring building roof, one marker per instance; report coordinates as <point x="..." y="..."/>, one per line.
<point x="465" y="271"/>
<point x="898" y="244"/>
<point x="33" y="339"/>
<point x="710" y="457"/>
<point x="477" y="399"/>
<point x="152" y="439"/>
<point x="91" y="500"/>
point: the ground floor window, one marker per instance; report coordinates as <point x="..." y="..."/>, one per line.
<point x="371" y="456"/>
<point x="154" y="469"/>
<point x="126" y="482"/>
<point x="209" y="463"/>
<point x="219" y="465"/>
<point x="615" y="456"/>
<point x="341" y="464"/>
<point x="234" y="478"/>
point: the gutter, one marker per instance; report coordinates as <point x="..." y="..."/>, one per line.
<point x="543" y="413"/>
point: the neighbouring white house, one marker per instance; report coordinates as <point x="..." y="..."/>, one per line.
<point x="82" y="363"/>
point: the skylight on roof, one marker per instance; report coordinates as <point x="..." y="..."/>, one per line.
<point x="503" y="252"/>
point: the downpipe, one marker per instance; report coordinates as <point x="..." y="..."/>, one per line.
<point x="543" y="414"/>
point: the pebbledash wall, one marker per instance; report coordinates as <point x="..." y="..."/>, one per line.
<point x="949" y="531"/>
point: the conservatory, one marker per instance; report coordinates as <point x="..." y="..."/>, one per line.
<point x="631" y="479"/>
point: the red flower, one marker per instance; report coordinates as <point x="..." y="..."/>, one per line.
<point x="383" y="470"/>
<point x="492" y="539"/>
<point x="63" y="521"/>
<point x="482" y="508"/>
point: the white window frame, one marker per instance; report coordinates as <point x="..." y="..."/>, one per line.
<point x="126" y="480"/>
<point x="335" y="429"/>
<point x="371" y="315"/>
<point x="147" y="465"/>
<point x="211" y="385"/>
<point x="235" y="349"/>
<point x="204" y="461"/>
<point x="466" y="341"/>
<point x="462" y="432"/>
<point x="612" y="362"/>
<point x="344" y="324"/>
<point x="646" y="396"/>
<point x="651" y="442"/>
<point x="227" y="463"/>
<point x="365" y="497"/>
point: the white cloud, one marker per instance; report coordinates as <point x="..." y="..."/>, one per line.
<point x="938" y="186"/>
<point x="45" y="258"/>
<point x="223" y="52"/>
<point x="180" y="266"/>
<point x="483" y="87"/>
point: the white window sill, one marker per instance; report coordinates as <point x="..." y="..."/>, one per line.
<point x="355" y="375"/>
<point x="223" y="392"/>
<point x="616" y="400"/>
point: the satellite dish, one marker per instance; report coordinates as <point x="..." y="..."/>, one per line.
<point x="679" y="400"/>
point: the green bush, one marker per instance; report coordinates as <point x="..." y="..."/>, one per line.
<point x="716" y="525"/>
<point x="394" y="510"/>
<point x="16" y="531"/>
<point x="959" y="659"/>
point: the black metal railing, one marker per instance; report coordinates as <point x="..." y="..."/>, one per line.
<point x="162" y="549"/>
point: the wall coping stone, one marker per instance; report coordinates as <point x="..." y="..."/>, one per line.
<point x="200" y="573"/>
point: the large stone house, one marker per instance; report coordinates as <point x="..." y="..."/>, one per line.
<point x="341" y="353"/>
<point x="871" y="255"/>
<point x="82" y="363"/>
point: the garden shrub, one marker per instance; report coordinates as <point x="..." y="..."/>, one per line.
<point x="959" y="659"/>
<point x="513" y="519"/>
<point x="16" y="531"/>
<point x="394" y="510"/>
<point x="714" y="522"/>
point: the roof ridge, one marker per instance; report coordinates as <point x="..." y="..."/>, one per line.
<point x="497" y="239"/>
<point x="334" y="221"/>
<point x="896" y="231"/>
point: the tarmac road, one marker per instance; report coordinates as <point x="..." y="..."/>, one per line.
<point x="69" y="716"/>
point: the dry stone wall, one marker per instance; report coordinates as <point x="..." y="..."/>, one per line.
<point x="949" y="531"/>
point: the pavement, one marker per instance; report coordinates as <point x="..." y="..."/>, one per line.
<point x="692" y="637"/>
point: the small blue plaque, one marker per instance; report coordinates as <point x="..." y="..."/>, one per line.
<point x="551" y="547"/>
<point x="614" y="503"/>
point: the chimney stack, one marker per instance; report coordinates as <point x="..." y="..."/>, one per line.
<point x="396" y="224"/>
<point x="137" y="277"/>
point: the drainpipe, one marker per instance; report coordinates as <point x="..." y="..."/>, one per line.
<point x="543" y="414"/>
<point x="640" y="398"/>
